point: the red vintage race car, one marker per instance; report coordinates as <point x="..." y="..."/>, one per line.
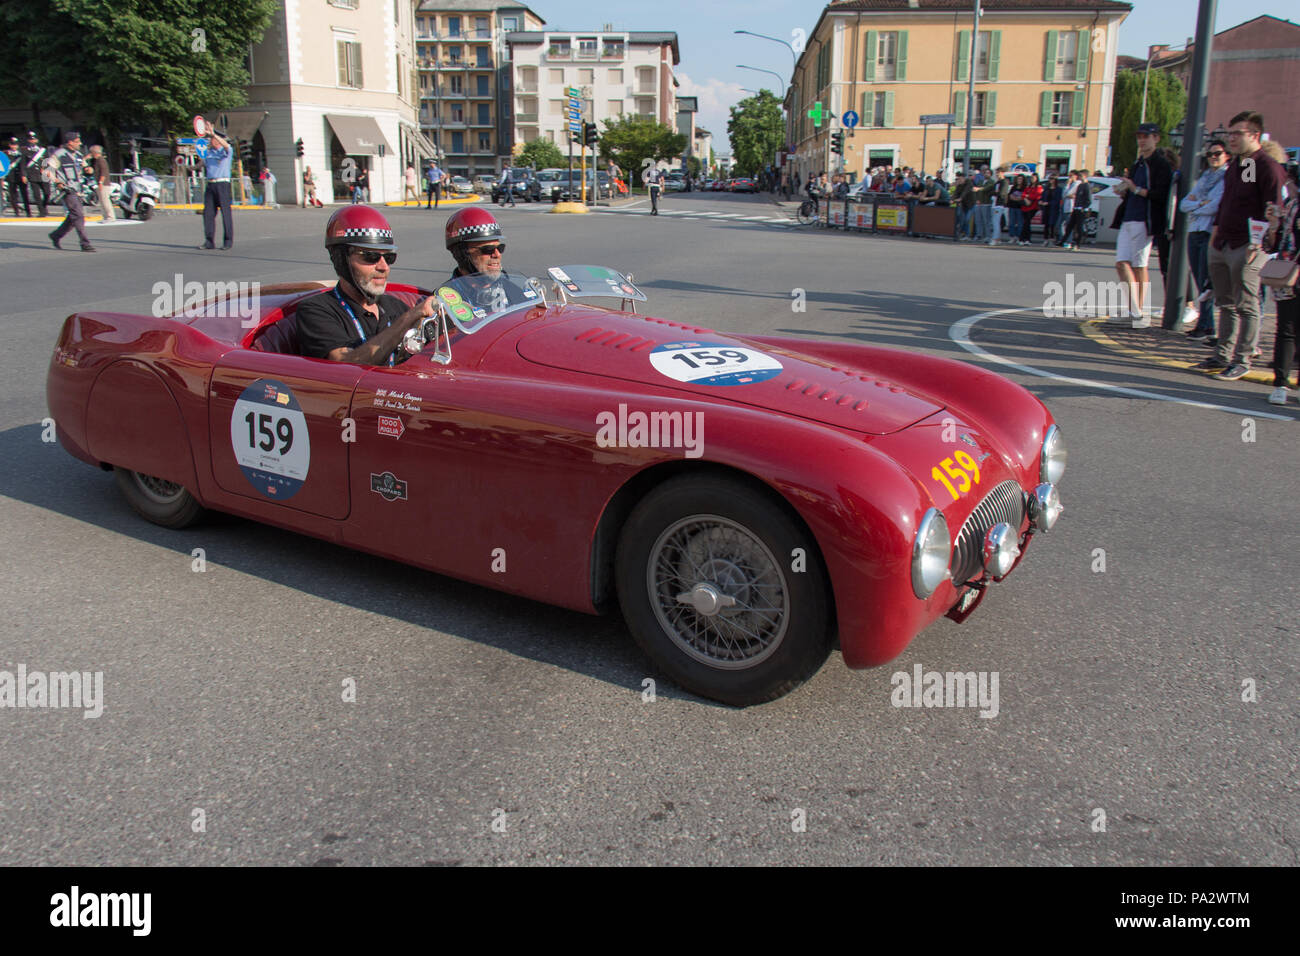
<point x="745" y="500"/>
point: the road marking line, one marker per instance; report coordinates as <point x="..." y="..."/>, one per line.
<point x="959" y="333"/>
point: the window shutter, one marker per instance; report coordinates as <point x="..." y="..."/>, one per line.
<point x="1076" y="113"/>
<point x="963" y="56"/>
<point x="355" y="50"/>
<point x="990" y="108"/>
<point x="341" y="50"/>
<point x="869" y="64"/>
<point x="1049" y="67"/>
<point x="1081" y="57"/>
<point x="889" y="110"/>
<point x="901" y="58"/>
<point x="1045" y="108"/>
<point x="868" y="109"/>
<point x="995" y="50"/>
<point x="959" y="107"/>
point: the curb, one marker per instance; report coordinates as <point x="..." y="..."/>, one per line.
<point x="1092" y="329"/>
<point x="419" y="203"/>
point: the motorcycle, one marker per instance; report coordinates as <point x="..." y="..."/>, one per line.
<point x="139" y="194"/>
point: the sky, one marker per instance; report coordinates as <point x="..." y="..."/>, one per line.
<point x="711" y="50"/>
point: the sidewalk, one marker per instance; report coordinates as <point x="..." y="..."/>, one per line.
<point x="1171" y="349"/>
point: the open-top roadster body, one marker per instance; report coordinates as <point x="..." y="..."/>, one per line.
<point x="744" y="499"/>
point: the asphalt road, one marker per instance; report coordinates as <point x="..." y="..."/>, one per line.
<point x="1121" y="691"/>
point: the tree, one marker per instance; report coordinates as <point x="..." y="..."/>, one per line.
<point x="540" y="154"/>
<point x="631" y="140"/>
<point x="693" y="167"/>
<point x="1166" y="107"/>
<point x="126" y="62"/>
<point x="756" y="131"/>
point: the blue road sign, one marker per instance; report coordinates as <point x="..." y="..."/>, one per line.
<point x="849" y="119"/>
<point x="4" y="165"/>
<point x="193" y="140"/>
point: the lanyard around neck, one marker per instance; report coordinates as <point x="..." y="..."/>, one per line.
<point x="361" y="331"/>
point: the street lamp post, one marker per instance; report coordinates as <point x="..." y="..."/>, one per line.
<point x="741" y="66"/>
<point x="794" y="64"/>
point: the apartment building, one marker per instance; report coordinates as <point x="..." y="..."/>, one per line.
<point x="1044" y="79"/>
<point x="339" y="75"/>
<point x="622" y="73"/>
<point x="703" y="147"/>
<point x="463" y="62"/>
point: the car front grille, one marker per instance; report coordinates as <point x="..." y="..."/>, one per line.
<point x="1006" y="503"/>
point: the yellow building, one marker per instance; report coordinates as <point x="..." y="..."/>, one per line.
<point x="1044" y="77"/>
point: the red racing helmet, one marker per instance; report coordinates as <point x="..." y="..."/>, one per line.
<point x="472" y="225"/>
<point x="359" y="226"/>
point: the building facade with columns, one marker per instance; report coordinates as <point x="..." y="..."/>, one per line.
<point x="1044" y="78"/>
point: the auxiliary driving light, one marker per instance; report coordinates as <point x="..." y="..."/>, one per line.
<point x="1000" y="549"/>
<point x="1045" y="507"/>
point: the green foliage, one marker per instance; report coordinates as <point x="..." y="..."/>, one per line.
<point x="1166" y="107"/>
<point x="541" y="154"/>
<point x="756" y="132"/>
<point x="693" y="165"/>
<point x="122" y="62"/>
<point x="631" y="140"/>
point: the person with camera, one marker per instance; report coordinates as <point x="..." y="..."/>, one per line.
<point x="1283" y="238"/>
<point x="64" y="173"/>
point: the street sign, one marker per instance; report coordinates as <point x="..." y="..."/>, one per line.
<point x="849" y="119"/>
<point x="202" y="150"/>
<point x="572" y="91"/>
<point x="938" y="119"/>
<point x="193" y="140"/>
<point x="4" y="167"/>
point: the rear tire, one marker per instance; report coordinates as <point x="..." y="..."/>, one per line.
<point x="154" y="499"/>
<point x="706" y="584"/>
<point x="146" y="213"/>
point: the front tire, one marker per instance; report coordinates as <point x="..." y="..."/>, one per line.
<point x="157" y="500"/>
<point x="146" y="213"/>
<point x="706" y="578"/>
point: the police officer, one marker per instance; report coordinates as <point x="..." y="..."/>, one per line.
<point x="34" y="156"/>
<point x="217" y="191"/>
<point x="68" y="164"/>
<point x="16" y="179"/>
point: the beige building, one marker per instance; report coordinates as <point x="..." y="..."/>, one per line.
<point x="340" y="76"/>
<point x="464" y="79"/>
<point x="1044" y="78"/>
<point x="620" y="73"/>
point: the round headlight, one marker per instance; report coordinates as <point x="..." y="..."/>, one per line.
<point x="1045" y="507"/>
<point x="931" y="553"/>
<point x="1051" y="463"/>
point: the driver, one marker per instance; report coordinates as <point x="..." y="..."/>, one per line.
<point x="476" y="242"/>
<point x="354" y="321"/>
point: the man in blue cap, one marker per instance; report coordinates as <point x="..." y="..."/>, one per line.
<point x="1142" y="217"/>
<point x="65" y="168"/>
<point x="217" y="191"/>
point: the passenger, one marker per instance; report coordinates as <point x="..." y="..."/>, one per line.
<point x="476" y="242"/>
<point x="354" y="321"/>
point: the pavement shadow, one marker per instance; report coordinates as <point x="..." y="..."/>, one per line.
<point x="45" y="476"/>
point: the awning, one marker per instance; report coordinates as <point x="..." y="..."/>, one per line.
<point x="360" y="135"/>
<point x="419" y="141"/>
<point x="240" y="124"/>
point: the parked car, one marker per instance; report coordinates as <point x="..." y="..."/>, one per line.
<point x="847" y="494"/>
<point x="484" y="182"/>
<point x="522" y="182"/>
<point x="675" y="182"/>
<point x="459" y="184"/>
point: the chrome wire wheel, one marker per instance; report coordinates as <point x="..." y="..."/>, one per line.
<point x="158" y="490"/>
<point x="718" y="592"/>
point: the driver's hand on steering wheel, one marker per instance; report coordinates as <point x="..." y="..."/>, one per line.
<point x="428" y="306"/>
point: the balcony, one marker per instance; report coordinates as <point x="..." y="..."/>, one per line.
<point x="487" y="123"/>
<point x="487" y="95"/>
<point x="478" y="34"/>
<point x="454" y="64"/>
<point x="526" y="88"/>
<point x="613" y="53"/>
<point x="559" y="53"/>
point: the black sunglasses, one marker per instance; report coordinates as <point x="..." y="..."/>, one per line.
<point x="488" y="250"/>
<point x="371" y="256"/>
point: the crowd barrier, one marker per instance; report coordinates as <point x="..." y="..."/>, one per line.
<point x="885" y="214"/>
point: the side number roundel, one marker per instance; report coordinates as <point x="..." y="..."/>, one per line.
<point x="268" y="433"/>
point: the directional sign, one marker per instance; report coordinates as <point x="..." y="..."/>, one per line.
<point x="572" y="91"/>
<point x="202" y="150"/>
<point x="849" y="119"/>
<point x="938" y="119"/>
<point x="193" y="140"/>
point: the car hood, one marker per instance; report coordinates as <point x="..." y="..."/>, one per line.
<point x="643" y="349"/>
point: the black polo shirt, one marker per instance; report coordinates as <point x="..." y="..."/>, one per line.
<point x="324" y="325"/>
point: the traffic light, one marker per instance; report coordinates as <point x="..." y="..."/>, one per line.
<point x="245" y="151"/>
<point x="298" y="147"/>
<point x="575" y="136"/>
<point x="837" y="142"/>
<point x="589" y="134"/>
